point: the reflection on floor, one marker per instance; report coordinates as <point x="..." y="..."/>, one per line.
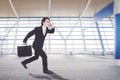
<point x="76" y="67"/>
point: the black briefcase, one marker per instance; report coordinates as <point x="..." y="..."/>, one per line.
<point x="24" y="51"/>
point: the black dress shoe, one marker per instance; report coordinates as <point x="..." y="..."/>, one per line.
<point x="24" y="65"/>
<point x="48" y="72"/>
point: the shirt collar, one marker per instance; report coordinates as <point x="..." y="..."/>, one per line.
<point x="43" y="27"/>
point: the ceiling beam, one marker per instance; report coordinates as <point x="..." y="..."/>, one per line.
<point x="86" y="7"/>
<point x="13" y="8"/>
<point x="49" y="8"/>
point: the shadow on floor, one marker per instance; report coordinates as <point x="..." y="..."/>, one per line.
<point x="48" y="77"/>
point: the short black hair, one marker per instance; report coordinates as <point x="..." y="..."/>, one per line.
<point x="43" y="20"/>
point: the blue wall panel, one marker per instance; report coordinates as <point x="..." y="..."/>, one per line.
<point x="105" y="12"/>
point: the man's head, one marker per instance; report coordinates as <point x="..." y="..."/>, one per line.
<point x="45" y="22"/>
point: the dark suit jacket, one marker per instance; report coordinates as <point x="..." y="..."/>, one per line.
<point x="39" y="37"/>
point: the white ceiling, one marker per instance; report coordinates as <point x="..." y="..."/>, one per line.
<point x="64" y="8"/>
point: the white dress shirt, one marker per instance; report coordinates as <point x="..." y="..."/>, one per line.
<point x="44" y="30"/>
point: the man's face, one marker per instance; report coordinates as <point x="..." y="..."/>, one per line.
<point x="46" y="23"/>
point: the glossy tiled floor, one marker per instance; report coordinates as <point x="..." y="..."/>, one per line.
<point x="77" y="67"/>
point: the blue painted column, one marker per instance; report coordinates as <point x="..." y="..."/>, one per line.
<point x="117" y="28"/>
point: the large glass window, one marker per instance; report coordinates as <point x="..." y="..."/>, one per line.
<point x="71" y="35"/>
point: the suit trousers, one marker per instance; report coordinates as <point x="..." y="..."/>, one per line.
<point x="38" y="52"/>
